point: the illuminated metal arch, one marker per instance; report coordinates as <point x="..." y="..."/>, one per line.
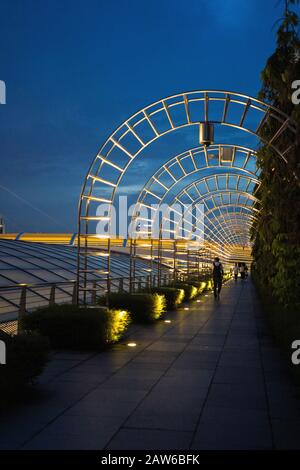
<point x="244" y="217"/>
<point x="181" y="163"/>
<point x="225" y="242"/>
<point x="156" y="120"/>
<point x="192" y="163"/>
<point x="203" y="199"/>
<point x="138" y="219"/>
<point x="227" y="248"/>
<point x="210" y="193"/>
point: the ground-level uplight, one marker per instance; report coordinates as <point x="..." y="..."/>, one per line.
<point x="198" y="301"/>
<point x="131" y="345"/>
<point x="186" y="308"/>
<point x="167" y="321"/>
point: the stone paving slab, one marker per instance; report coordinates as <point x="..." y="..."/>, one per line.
<point x="228" y="428"/>
<point x="210" y="379"/>
<point x="140" y="439"/>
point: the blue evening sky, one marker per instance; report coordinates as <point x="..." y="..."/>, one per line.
<point x="76" y="69"/>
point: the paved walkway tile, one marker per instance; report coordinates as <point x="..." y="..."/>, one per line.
<point x="232" y="428"/>
<point x="210" y="379"/>
<point x="140" y="439"/>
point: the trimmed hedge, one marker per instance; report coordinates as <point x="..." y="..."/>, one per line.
<point x="209" y="284"/>
<point x="143" y="307"/>
<point x="190" y="290"/>
<point x="227" y="276"/>
<point x="200" y="285"/>
<point x="26" y="356"/>
<point x="72" y="327"/>
<point x="173" y="296"/>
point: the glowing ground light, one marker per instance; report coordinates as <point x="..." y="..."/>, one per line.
<point x="198" y="301"/>
<point x="131" y="345"/>
<point x="167" y="321"/>
<point x="186" y="308"/>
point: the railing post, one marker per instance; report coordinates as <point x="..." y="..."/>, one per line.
<point x="108" y="289"/>
<point x="52" y="295"/>
<point x="130" y="266"/>
<point x="121" y="285"/>
<point x="151" y="264"/>
<point x="159" y="258"/>
<point x="174" y="261"/>
<point x="75" y="298"/>
<point x="22" y="306"/>
<point x="94" y="293"/>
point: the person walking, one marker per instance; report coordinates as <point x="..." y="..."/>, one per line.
<point x="235" y="271"/>
<point x="217" y="277"/>
<point x="242" y="271"/>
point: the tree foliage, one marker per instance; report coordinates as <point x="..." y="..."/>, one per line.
<point x="276" y="234"/>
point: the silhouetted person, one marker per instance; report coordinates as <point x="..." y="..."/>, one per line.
<point x="242" y="271"/>
<point x="235" y="271"/>
<point x="217" y="277"/>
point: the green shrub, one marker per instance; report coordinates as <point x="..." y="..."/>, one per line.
<point x="143" y="307"/>
<point x="118" y="321"/>
<point x="209" y="284"/>
<point x="190" y="291"/>
<point x="227" y="276"/>
<point x="69" y="326"/>
<point x="200" y="285"/>
<point x="26" y="356"/>
<point x="173" y="296"/>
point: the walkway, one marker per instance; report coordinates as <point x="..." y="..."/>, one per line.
<point x="210" y="379"/>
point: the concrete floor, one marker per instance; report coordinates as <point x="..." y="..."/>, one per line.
<point x="210" y="379"/>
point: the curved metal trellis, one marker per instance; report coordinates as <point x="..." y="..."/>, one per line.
<point x="165" y="116"/>
<point x="221" y="208"/>
<point x="187" y="164"/>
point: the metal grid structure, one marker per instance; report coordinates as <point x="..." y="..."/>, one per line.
<point x="163" y="117"/>
<point x="233" y="180"/>
<point x="228" y="214"/>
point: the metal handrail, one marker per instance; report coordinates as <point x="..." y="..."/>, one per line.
<point x="22" y="303"/>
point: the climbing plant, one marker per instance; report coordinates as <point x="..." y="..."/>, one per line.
<point x="276" y="234"/>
